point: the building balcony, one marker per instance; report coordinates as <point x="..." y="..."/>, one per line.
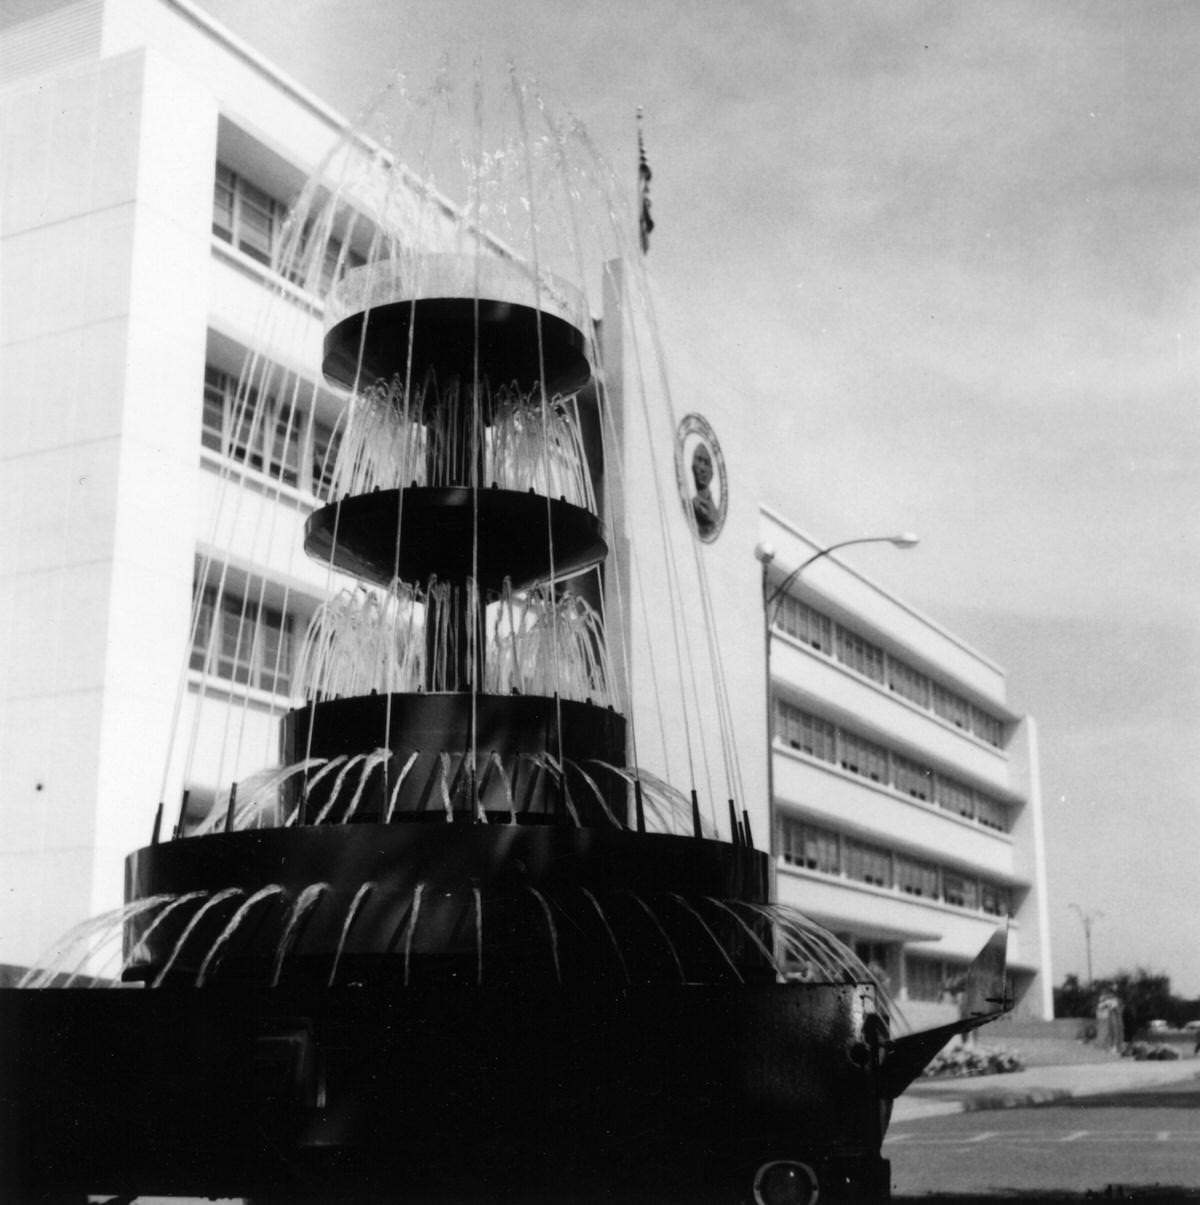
<point x="838" y="589"/>
<point x="825" y="793"/>
<point x="886" y="914"/>
<point x="259" y="521"/>
<point x="242" y="292"/>
<point x="828" y="689"/>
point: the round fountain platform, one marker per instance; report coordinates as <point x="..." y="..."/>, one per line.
<point x="364" y="1094"/>
<point x="471" y="904"/>
<point x="473" y="318"/>
<point x="455" y="533"/>
<point x="511" y="740"/>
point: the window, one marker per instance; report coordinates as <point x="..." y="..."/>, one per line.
<point x="991" y="813"/>
<point x="820" y="632"/>
<point x="951" y="707"/>
<point x="923" y="977"/>
<point x="269" y="436"/>
<point x="857" y="755"/>
<point x="224" y="203"/>
<point x="253" y="221"/>
<point x="809" y="846"/>
<point x="974" y="805"/>
<point x="911" y="778"/>
<point x="245" y="216"/>
<point x="954" y="797"/>
<point x="861" y="756"/>
<point x="962" y="714"/>
<point x="336" y="260"/>
<point x="805" y="732"/>
<point x="867" y="863"/>
<point x="822" y="850"/>
<point x="244" y="642"/>
<point x="790" y="842"/>
<point x="233" y="422"/>
<point x="908" y="683"/>
<point x="827" y="851"/>
<point x="914" y="877"/>
<point x="212" y="430"/>
<point x="959" y="890"/>
<point x="859" y="654"/>
<point x="324" y="455"/>
<point x="872" y="953"/>
<point x="806" y="625"/>
<point x="995" y="900"/>
<point x="930" y="978"/>
<point x="986" y="727"/>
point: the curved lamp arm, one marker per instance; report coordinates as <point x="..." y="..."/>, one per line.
<point x="766" y="554"/>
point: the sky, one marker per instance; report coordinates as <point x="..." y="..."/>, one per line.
<point x="949" y="254"/>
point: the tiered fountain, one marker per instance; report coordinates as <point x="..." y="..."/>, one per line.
<point x="457" y="965"/>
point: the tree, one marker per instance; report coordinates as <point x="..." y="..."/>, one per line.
<point x="1145" y="996"/>
<point x="1072" y="999"/>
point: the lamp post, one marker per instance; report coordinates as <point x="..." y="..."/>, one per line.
<point x="766" y="555"/>
<point x="1087" y="919"/>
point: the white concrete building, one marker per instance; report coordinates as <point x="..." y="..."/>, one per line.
<point x="907" y="812"/>
<point x="149" y="158"/>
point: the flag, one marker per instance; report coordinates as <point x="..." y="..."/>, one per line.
<point x="645" y="221"/>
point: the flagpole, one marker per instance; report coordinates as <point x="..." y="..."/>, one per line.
<point x="645" y="221"/>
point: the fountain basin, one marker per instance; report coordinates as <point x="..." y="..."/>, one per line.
<point x="471" y="317"/>
<point x="454" y="534"/>
<point x="481" y="730"/>
<point x="643" y="1095"/>
<point x="451" y="903"/>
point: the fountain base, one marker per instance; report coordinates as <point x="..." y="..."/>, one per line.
<point x="482" y="905"/>
<point x="444" y="734"/>
<point x="364" y="1094"/>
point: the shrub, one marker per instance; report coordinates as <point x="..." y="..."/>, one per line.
<point x="963" y="1061"/>
<point x="1150" y="1050"/>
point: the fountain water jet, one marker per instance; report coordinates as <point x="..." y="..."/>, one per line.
<point x="456" y="692"/>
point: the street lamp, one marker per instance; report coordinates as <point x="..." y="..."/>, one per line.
<point x="1087" y="919"/>
<point x="766" y="554"/>
<point x="771" y="601"/>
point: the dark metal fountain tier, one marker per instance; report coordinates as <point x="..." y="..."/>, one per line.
<point x="478" y="978"/>
<point x="472" y="904"/>
<point x="468" y="758"/>
<point x="453" y="534"/>
<point x="458" y="317"/>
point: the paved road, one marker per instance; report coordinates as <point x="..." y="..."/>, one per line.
<point x="1145" y="1138"/>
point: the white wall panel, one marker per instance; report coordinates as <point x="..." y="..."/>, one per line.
<point x="847" y="802"/>
<point x="803" y="677"/>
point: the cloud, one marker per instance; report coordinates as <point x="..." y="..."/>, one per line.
<point x="944" y="252"/>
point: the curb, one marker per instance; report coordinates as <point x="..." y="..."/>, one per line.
<point x="915" y="1108"/>
<point x="907" y="1109"/>
<point x="1015" y="1100"/>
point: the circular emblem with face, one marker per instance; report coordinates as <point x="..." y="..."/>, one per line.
<point x="700" y="473"/>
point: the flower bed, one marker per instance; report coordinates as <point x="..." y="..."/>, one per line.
<point x="1150" y="1050"/>
<point x="957" y="1062"/>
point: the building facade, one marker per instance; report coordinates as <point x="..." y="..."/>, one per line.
<point x="150" y="159"/>
<point x="150" y="162"/>
<point x="906" y="803"/>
